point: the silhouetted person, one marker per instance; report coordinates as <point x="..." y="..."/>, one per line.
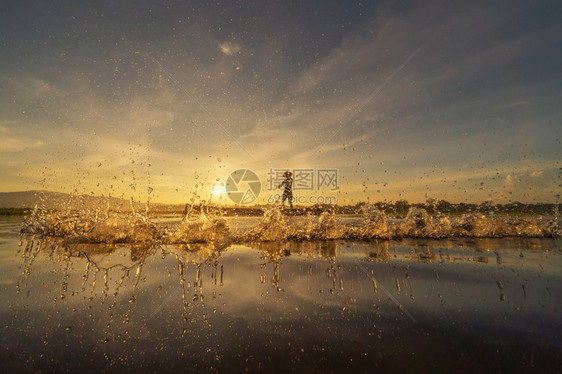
<point x="287" y="185"/>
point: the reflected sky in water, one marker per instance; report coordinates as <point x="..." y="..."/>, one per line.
<point x="320" y="306"/>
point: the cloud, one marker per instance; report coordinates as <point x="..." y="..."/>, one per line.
<point x="514" y="104"/>
<point x="229" y="48"/>
<point x="29" y="86"/>
<point x="536" y="174"/>
<point x="12" y="143"/>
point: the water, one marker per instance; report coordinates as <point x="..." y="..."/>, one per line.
<point x="213" y="228"/>
<point x="280" y="294"/>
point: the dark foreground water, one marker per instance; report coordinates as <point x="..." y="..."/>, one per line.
<point x="410" y="305"/>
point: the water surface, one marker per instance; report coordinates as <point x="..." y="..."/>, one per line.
<point x="423" y="304"/>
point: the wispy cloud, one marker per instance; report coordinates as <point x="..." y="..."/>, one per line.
<point x="229" y="48"/>
<point x="13" y="143"/>
<point x="536" y="173"/>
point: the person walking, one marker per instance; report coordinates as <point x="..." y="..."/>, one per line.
<point x="287" y="185"/>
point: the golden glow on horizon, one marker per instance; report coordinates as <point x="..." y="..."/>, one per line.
<point x="219" y="190"/>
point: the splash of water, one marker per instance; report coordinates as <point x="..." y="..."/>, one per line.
<point x="206" y="228"/>
<point x="375" y="223"/>
<point x="273" y="227"/>
<point x="213" y="228"/>
<point x="91" y="228"/>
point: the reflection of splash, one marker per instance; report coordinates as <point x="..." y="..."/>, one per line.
<point x="276" y="250"/>
<point x="124" y="263"/>
<point x="104" y="258"/>
<point x="379" y="253"/>
<point x="111" y="270"/>
<point x="273" y="253"/>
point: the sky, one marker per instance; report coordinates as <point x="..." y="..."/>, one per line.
<point x="413" y="100"/>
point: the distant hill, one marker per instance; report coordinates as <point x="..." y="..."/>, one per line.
<point x="15" y="202"/>
<point x="20" y="199"/>
<point x="57" y="200"/>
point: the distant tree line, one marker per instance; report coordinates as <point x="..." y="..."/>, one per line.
<point x="401" y="207"/>
<point x="14" y="211"/>
<point x="397" y="209"/>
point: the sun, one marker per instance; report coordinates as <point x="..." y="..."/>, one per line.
<point x="218" y="190"/>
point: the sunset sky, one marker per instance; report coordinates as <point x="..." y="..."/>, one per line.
<point x="406" y="99"/>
